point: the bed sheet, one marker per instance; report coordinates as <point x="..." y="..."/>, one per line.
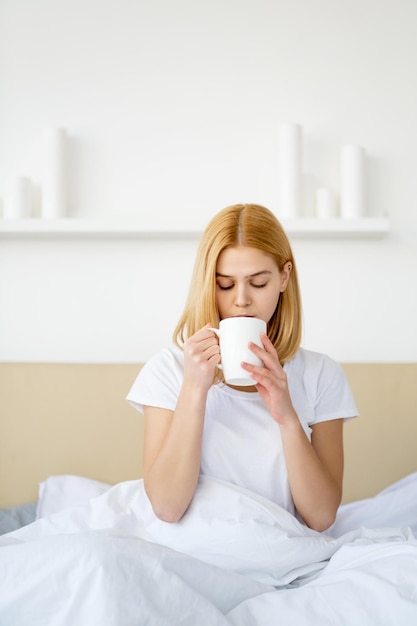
<point x="394" y="506"/>
<point x="235" y="558"/>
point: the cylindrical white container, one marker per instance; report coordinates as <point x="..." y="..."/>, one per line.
<point x="290" y="149"/>
<point x="54" y="187"/>
<point x="19" y="203"/>
<point x="326" y="203"/>
<point x="352" y="182"/>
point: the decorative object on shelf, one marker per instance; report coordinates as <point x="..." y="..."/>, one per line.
<point x="54" y="187"/>
<point x="326" y="203"/>
<point x="352" y="182"/>
<point x="290" y="149"/>
<point x="20" y="201"/>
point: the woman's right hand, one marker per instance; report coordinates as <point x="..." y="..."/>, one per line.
<point x="201" y="357"/>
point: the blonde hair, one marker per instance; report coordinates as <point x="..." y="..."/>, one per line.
<point x="253" y="226"/>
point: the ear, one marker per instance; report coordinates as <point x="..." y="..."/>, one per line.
<point x="285" y="275"/>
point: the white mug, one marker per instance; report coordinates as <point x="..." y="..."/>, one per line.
<point x="234" y="334"/>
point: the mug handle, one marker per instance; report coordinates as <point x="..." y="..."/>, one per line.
<point x="217" y="332"/>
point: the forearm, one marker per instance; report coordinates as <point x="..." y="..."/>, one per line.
<point x="315" y="491"/>
<point x="171" y="478"/>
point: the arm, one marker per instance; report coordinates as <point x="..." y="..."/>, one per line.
<point x="315" y="469"/>
<point x="172" y="441"/>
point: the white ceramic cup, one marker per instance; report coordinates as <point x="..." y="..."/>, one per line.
<point x="234" y="334"/>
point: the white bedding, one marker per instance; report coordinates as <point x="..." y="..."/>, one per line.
<point x="235" y="558"/>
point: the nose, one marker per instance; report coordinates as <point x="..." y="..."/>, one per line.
<point x="242" y="296"/>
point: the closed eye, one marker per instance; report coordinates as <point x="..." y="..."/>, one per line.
<point x="255" y="285"/>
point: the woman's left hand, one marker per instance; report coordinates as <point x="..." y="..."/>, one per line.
<point x="271" y="382"/>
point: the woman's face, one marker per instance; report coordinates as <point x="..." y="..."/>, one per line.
<point x="248" y="283"/>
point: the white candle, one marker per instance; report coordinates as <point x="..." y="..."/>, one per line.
<point x="326" y="205"/>
<point x="54" y="188"/>
<point x="19" y="203"/>
<point x="290" y="170"/>
<point x="352" y="182"/>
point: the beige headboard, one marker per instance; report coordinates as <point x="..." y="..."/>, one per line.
<point x="74" y="419"/>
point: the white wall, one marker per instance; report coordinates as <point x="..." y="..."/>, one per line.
<point x="173" y="109"/>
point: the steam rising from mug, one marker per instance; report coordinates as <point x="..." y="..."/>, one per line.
<point x="234" y="334"/>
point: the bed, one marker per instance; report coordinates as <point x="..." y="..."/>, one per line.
<point x="79" y="543"/>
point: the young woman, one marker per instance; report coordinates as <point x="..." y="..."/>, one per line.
<point x="281" y="438"/>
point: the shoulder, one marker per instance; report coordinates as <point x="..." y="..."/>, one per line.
<point x="166" y="365"/>
<point x="313" y="364"/>
<point x="171" y="358"/>
<point x="322" y="383"/>
<point x="159" y="380"/>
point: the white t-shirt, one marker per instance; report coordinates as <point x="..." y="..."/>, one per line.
<point x="241" y="442"/>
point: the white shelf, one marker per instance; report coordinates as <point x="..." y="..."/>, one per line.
<point x="96" y="229"/>
<point x="337" y="227"/>
<point x="92" y="229"/>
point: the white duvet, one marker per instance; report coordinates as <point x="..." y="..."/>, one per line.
<point x="234" y="559"/>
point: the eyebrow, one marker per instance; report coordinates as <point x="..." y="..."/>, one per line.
<point x="262" y="272"/>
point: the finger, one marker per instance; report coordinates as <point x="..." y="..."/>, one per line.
<point x="210" y="329"/>
<point x="268" y="345"/>
<point x="261" y="377"/>
<point x="205" y="333"/>
<point x="267" y="355"/>
<point x="257" y="372"/>
<point x="269" y="348"/>
<point x="265" y="380"/>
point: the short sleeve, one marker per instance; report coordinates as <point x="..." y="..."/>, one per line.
<point x="159" y="381"/>
<point x="319" y="388"/>
<point x="334" y="398"/>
